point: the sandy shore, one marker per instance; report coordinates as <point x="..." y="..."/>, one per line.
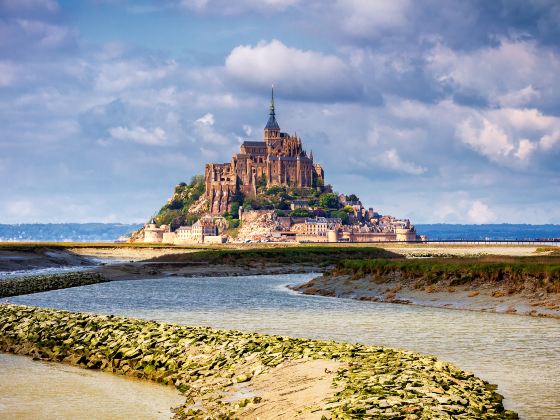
<point x="127" y="253"/>
<point x="485" y="297"/>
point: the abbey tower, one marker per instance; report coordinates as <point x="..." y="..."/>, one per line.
<point x="278" y="160"/>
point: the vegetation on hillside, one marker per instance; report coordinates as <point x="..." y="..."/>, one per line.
<point x="323" y="202"/>
<point x="177" y="211"/>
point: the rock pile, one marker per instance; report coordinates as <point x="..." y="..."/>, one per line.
<point x="257" y="225"/>
<point x="43" y="283"/>
<point x="204" y="363"/>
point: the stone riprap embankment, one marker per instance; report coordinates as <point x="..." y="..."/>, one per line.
<point x="42" y="283"/>
<point x="207" y="365"/>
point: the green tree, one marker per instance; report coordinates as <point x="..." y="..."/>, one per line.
<point x="328" y="201"/>
<point x="300" y="213"/>
<point x="261" y="183"/>
<point x="341" y="214"/>
<point x="234" y="212"/>
<point x="352" y="197"/>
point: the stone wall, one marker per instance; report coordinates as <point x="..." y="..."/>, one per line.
<point x="43" y="283"/>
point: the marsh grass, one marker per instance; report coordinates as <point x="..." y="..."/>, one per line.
<point x="461" y="271"/>
<point x="294" y="254"/>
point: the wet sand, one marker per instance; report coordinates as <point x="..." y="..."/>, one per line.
<point x="48" y="390"/>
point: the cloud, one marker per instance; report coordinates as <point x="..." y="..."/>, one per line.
<point x="512" y="73"/>
<point x="500" y="134"/>
<point x="480" y="213"/>
<point x="486" y="138"/>
<point x="391" y="160"/>
<point x="227" y="7"/>
<point x="47" y="35"/>
<point x="207" y="119"/>
<point x="137" y="134"/>
<point x="8" y="73"/>
<point x="307" y="75"/>
<point x="19" y="7"/>
<point x="208" y="134"/>
<point x="119" y="75"/>
<point x="549" y="141"/>
<point x="19" y="208"/>
<point x="365" y="18"/>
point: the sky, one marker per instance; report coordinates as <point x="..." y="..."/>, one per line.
<point x="434" y="110"/>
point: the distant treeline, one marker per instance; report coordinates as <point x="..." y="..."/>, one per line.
<point x="57" y="232"/>
<point x="492" y="232"/>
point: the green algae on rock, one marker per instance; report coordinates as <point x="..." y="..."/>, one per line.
<point x="205" y="364"/>
<point x="42" y="283"/>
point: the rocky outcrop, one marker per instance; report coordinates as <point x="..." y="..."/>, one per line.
<point x="258" y="225"/>
<point x="205" y="364"/>
<point x="43" y="283"/>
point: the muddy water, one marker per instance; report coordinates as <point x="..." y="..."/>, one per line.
<point x="520" y="354"/>
<point x="32" y="390"/>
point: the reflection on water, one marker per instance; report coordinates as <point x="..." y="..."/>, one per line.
<point x="520" y="354"/>
<point x="42" y="390"/>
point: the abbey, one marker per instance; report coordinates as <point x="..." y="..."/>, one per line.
<point x="278" y="160"/>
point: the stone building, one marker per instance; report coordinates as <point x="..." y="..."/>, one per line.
<point x="277" y="160"/>
<point x="152" y="233"/>
<point x="205" y="230"/>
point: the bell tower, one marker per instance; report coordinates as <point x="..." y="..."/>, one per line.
<point x="272" y="129"/>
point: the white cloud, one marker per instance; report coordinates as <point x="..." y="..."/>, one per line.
<point x="518" y="97"/>
<point x="49" y="35"/>
<point x="121" y="75"/>
<point x="138" y="134"/>
<point x="205" y="131"/>
<point x="8" y="73"/>
<point x="509" y="135"/>
<point x="207" y="119"/>
<point x="363" y="18"/>
<point x="248" y="130"/>
<point x="513" y="73"/>
<point x="16" y="6"/>
<point x="297" y="73"/>
<point x="228" y="7"/>
<point x="480" y="213"/>
<point x="525" y="149"/>
<point x="19" y="208"/>
<point x="391" y="160"/>
<point x="549" y="141"/>
<point x="485" y="137"/>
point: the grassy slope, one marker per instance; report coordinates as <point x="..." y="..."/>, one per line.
<point x="287" y="255"/>
<point x="545" y="270"/>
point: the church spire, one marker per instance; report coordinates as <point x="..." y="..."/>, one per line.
<point x="272" y="101"/>
<point x="272" y="124"/>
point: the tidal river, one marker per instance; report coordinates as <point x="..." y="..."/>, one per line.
<point x="519" y="354"/>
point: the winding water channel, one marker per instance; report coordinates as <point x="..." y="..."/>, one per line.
<point x="520" y="354"/>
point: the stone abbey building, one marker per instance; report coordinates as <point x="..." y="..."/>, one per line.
<point x="278" y="160"/>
